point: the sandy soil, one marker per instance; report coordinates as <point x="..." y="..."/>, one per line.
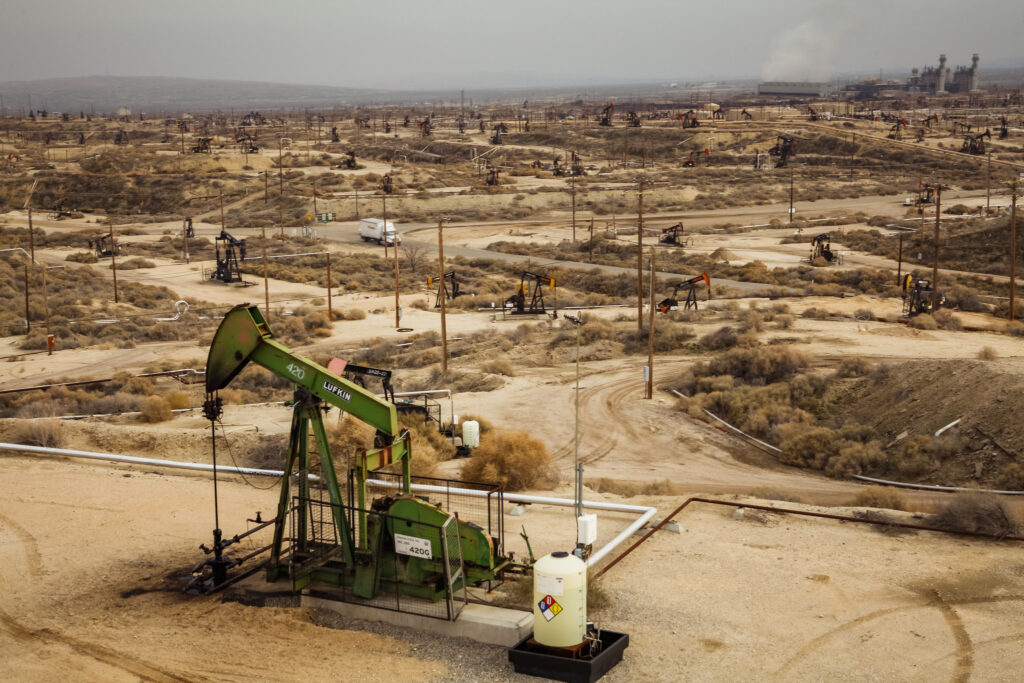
<point x="91" y="556"/>
<point x="94" y="558"/>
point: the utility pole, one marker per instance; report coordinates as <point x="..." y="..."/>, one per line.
<point x="31" y="236"/>
<point x="315" y="215"/>
<point x="266" y="280"/>
<point x="184" y="239"/>
<point x="444" y="330"/>
<point x="640" y="255"/>
<point x="28" y="322"/>
<point x="790" y="196"/>
<point x="650" y="337"/>
<point x="113" y="264"/>
<point x="280" y="168"/>
<point x="46" y="310"/>
<point x="591" y="245"/>
<point x="573" y="179"/>
<point x="935" y="264"/>
<point x="222" y="224"/>
<point x="330" y="306"/>
<point x="266" y="186"/>
<point x="1013" y="248"/>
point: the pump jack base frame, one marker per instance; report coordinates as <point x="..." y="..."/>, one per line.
<point x="558" y="664"/>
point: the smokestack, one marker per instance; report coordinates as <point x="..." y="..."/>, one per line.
<point x="940" y="87"/>
<point x="973" y="81"/>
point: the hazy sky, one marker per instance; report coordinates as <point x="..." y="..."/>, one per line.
<point x="453" y="44"/>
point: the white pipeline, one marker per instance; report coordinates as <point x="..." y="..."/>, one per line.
<point x="646" y="513"/>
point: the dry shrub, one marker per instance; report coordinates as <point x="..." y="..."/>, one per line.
<point x="355" y="314"/>
<point x="46" y="433"/>
<point x="922" y="453"/>
<point x="82" y="257"/>
<point x="784" y="321"/>
<point x="879" y="497"/>
<point x="1015" y="328"/>
<point x="156" y="409"/>
<point x="816" y="313"/>
<point x="975" y="512"/>
<point x="513" y="459"/>
<point x="178" y="400"/>
<point x="750" y="320"/>
<point x="756" y="365"/>
<point x="130" y="384"/>
<point x="853" y="367"/>
<point x="429" y="446"/>
<point x="864" y="314"/>
<point x="722" y="338"/>
<point x="629" y="489"/>
<point x="499" y="367"/>
<point x="923" y="321"/>
<point x="945" y="319"/>
<point x="135" y="264"/>
<point x="831" y="451"/>
<point x="346" y="437"/>
<point x="419" y="304"/>
<point x="315" y="321"/>
<point x="987" y="353"/>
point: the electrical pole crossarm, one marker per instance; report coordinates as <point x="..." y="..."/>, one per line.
<point x="244" y="336"/>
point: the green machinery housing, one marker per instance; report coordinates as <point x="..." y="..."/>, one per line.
<point x="365" y="558"/>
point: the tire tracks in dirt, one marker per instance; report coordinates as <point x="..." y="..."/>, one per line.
<point x="30" y="637"/>
<point x="965" y="648"/>
<point x="33" y="559"/>
<point x="99" y="653"/>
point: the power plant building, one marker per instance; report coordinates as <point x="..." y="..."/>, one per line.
<point x="938" y="81"/>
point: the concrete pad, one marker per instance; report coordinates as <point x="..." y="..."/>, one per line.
<point x="483" y="623"/>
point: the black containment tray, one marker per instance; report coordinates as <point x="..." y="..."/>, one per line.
<point x="544" y="665"/>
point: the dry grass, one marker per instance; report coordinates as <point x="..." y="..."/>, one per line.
<point x="987" y="353"/>
<point x="156" y="409"/>
<point x="513" y="459"/>
<point x="44" y="432"/>
<point x="977" y="513"/>
<point x="629" y="489"/>
<point x="879" y="497"/>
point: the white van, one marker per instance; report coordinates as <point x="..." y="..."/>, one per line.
<point x="374" y="230"/>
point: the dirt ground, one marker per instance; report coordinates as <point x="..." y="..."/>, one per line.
<point x="93" y="556"/>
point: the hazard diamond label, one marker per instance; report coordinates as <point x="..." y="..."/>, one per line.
<point x="549" y="607"/>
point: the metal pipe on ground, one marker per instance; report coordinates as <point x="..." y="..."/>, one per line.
<point x="646" y="513"/>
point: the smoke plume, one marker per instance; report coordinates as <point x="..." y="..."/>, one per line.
<point x="808" y="51"/>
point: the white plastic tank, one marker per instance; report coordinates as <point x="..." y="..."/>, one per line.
<point x="471" y="433"/>
<point x="559" y="600"/>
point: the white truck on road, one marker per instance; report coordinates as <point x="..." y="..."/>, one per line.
<point x="375" y="230"/>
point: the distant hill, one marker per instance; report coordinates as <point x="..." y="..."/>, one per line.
<point x="102" y="94"/>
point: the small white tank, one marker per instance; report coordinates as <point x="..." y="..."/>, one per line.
<point x="559" y="600"/>
<point x="471" y="433"/>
